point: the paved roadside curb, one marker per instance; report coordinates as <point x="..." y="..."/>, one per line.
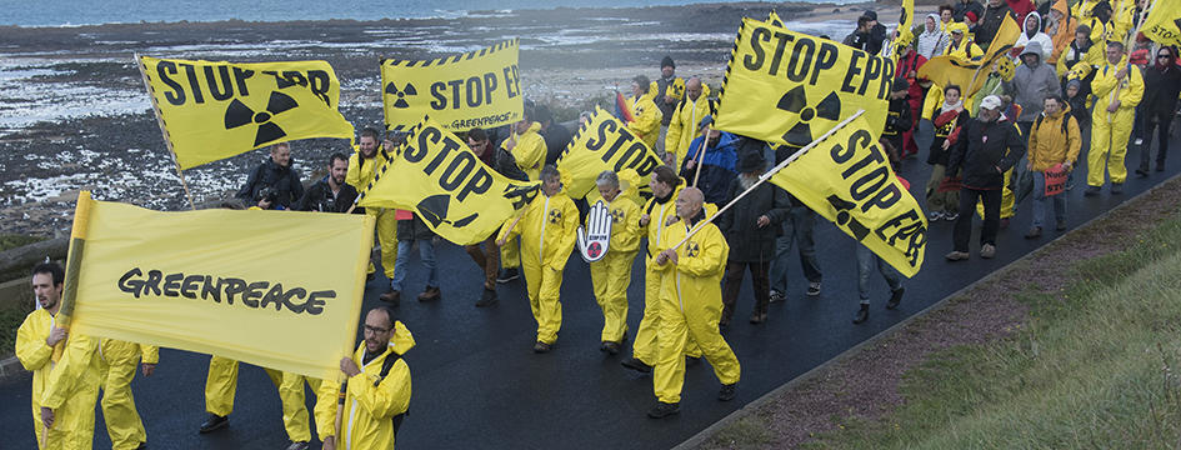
<point x="704" y="435"/>
<point x="11" y="370"/>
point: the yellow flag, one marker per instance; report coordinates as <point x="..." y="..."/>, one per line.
<point x="946" y="70"/>
<point x="848" y="180"/>
<point x="277" y="289"/>
<point x="1163" y="24"/>
<point x="438" y="177"/>
<point x="603" y="143"/>
<point x="905" y="35"/>
<point x="479" y="89"/>
<point x="786" y="87"/>
<point x="215" y="110"/>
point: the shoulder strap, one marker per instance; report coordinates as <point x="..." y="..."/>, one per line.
<point x="386" y="365"/>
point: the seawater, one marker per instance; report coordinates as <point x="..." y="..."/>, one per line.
<point x="60" y="13"/>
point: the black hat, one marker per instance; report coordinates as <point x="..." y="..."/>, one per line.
<point x="870" y="14"/>
<point x="750" y="160"/>
<point x="900" y="84"/>
<point x="667" y="62"/>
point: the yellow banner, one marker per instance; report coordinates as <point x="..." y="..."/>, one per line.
<point x="479" y="89"/>
<point x="277" y="289"/>
<point x="848" y="180"/>
<point x="438" y="177"/>
<point x="1163" y="24"/>
<point x="215" y="110"/>
<point x="603" y="143"/>
<point x="946" y="70"/>
<point x="789" y="88"/>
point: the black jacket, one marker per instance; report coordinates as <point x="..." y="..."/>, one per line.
<point x="284" y="180"/>
<point x="557" y="137"/>
<point x="961" y="9"/>
<point x="748" y="242"/>
<point x="982" y="148"/>
<point x="414" y="230"/>
<point x="1161" y="89"/>
<point x="898" y="119"/>
<point x="319" y="198"/>
<point x="987" y="27"/>
<point x="938" y="155"/>
<point x="506" y="164"/>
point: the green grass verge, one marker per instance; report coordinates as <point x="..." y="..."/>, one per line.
<point x="10" y="320"/>
<point x="9" y="241"/>
<point x="1092" y="368"/>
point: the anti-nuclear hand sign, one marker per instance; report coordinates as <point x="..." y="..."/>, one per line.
<point x="790" y="88"/>
<point x="848" y="180"/>
<point x="280" y="290"/>
<point x="603" y="143"/>
<point x="479" y="89"/>
<point x="215" y="110"/>
<point x="438" y="177"/>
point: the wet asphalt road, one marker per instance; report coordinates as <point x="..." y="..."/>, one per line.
<point x="478" y="385"/>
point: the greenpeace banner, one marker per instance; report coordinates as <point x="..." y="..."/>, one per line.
<point x="946" y="70"/>
<point x="1163" y="24"/>
<point x="215" y="110"/>
<point x="786" y="87"/>
<point x="848" y="180"/>
<point x="438" y="177"/>
<point x="479" y="89"/>
<point x="603" y="143"/>
<point x="280" y="290"/>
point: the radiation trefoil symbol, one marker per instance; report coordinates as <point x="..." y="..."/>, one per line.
<point x="845" y="219"/>
<point x="796" y="101"/>
<point x="238" y="115"/>
<point x="433" y="209"/>
<point x="692" y="249"/>
<point x="400" y="103"/>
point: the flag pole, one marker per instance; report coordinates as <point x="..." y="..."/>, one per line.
<point x="768" y="175"/>
<point x="701" y="154"/>
<point x="160" y="121"/>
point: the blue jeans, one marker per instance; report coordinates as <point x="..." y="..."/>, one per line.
<point x="1039" y="201"/>
<point x="866" y="261"/>
<point x="797" y="229"/>
<point x="426" y="251"/>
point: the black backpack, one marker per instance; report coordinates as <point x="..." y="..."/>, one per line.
<point x="385" y="370"/>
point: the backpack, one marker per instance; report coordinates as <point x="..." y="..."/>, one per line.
<point x="1037" y="124"/>
<point x="385" y="370"/>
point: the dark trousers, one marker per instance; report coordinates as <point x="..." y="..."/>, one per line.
<point x="733" y="282"/>
<point x="992" y="217"/>
<point x="1159" y="121"/>
<point x="488" y="259"/>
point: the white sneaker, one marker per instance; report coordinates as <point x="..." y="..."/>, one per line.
<point x="934" y="215"/>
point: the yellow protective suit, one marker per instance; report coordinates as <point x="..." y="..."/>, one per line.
<point x="548" y="230"/>
<point x="645" y="347"/>
<point x="690" y="307"/>
<point x="647" y="117"/>
<point x="222" y="383"/>
<point x="295" y="411"/>
<point x="966" y="49"/>
<point x="371" y="401"/>
<point x="611" y="275"/>
<point x="683" y="127"/>
<point x="360" y="174"/>
<point x="1110" y="131"/>
<point x="70" y="388"/>
<point x="529" y="150"/>
<point x="118" y="362"/>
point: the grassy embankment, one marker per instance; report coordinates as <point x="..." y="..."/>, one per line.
<point x="10" y="318"/>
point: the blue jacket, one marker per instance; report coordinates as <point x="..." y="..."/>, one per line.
<point x="717" y="167"/>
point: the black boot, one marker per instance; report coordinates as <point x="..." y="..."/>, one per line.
<point x="895" y="298"/>
<point x="662" y="410"/>
<point x="488" y="299"/>
<point x="862" y="314"/>
<point x="214" y="422"/>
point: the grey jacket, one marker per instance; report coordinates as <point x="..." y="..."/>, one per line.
<point x="1030" y="86"/>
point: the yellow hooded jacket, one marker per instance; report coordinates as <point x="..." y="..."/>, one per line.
<point x="529" y="151"/>
<point x="1052" y="142"/>
<point x="647" y="120"/>
<point x="371" y="401"/>
<point x="68" y="385"/>
<point x="548" y="229"/>
<point x="683" y="127"/>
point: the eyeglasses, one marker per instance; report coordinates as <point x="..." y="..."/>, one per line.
<point x="375" y="330"/>
<point x="1162" y="56"/>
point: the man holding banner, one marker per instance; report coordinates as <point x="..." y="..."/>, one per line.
<point x="360" y="174"/>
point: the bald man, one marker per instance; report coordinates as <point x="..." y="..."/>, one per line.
<point x="691" y="304"/>
<point x="686" y="116"/>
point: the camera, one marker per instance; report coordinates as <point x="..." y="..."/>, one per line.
<point x="268" y="193"/>
<point x="328" y="205"/>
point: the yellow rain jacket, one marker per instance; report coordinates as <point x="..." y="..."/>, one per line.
<point x="683" y="127"/>
<point x="529" y="150"/>
<point x="548" y="229"/>
<point x="1054" y="139"/>
<point x="360" y="174"/>
<point x="645" y="347"/>
<point x="966" y="49"/>
<point x="611" y="275"/>
<point x="118" y="362"/>
<point x="371" y="401"/>
<point x="647" y="117"/>
<point x="67" y="385"/>
<point x="690" y="307"/>
<point x="1110" y="131"/>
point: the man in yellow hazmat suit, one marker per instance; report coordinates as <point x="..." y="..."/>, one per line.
<point x="612" y="275"/>
<point x="118" y="361"/>
<point x="548" y="230"/>
<point x="646" y="116"/>
<point x="691" y="304"/>
<point x="378" y="388"/>
<point x="65" y="383"/>
<point x="363" y="165"/>
<point x="1118" y="88"/>
<point x="528" y="149"/>
<point x="686" y="116"/>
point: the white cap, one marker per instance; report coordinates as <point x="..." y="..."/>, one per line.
<point x="991" y="102"/>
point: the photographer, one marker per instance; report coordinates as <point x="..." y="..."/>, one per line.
<point x="273" y="184"/>
<point x="331" y="194"/>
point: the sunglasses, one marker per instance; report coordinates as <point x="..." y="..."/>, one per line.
<point x="1163" y="56"/>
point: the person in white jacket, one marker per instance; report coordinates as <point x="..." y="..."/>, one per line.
<point x="933" y="39"/>
<point x="1032" y="32"/>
